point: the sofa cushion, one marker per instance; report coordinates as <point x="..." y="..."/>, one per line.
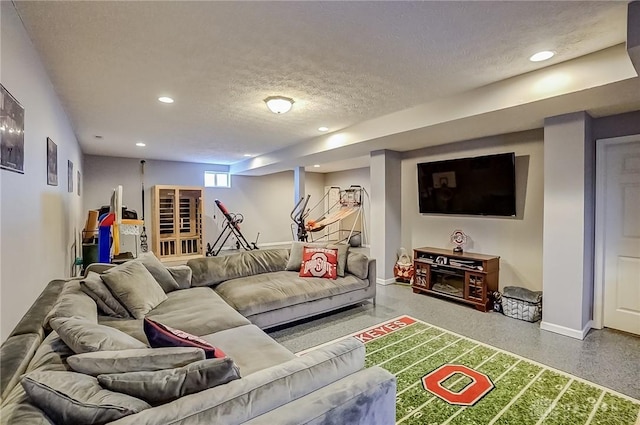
<point x="84" y="337"/>
<point x="182" y="275"/>
<point x="93" y="286"/>
<point x="343" y="252"/>
<point x="74" y="398"/>
<point x="158" y="271"/>
<point x="319" y="262"/>
<point x="17" y="408"/>
<point x="133" y="285"/>
<point x="72" y="302"/>
<point x="255" y="394"/>
<point x="271" y="291"/>
<point x="198" y="311"/>
<point x="243" y="343"/>
<point x="166" y="385"/>
<point x="52" y="354"/>
<point x="295" y="255"/>
<point x="213" y="270"/>
<point x="358" y="265"/>
<point x="160" y="335"/>
<point x="134" y="360"/>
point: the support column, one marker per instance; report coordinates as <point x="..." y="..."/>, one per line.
<point x="298" y="184"/>
<point x="569" y="223"/>
<point x="385" y="212"/>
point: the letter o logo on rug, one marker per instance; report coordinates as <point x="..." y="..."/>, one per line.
<point x="480" y="384"/>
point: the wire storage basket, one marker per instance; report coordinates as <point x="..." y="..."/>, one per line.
<point x="521" y="303"/>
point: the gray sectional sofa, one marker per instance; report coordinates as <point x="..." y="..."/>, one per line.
<point x="226" y="301"/>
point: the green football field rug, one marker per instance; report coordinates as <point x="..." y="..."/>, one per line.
<point x="444" y="378"/>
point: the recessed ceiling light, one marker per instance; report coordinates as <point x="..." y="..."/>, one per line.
<point x="323" y="128"/>
<point x="165" y="99"/>
<point x="247" y="154"/>
<point x="316" y="166"/>
<point x="542" y="56"/>
<point x="141" y="144"/>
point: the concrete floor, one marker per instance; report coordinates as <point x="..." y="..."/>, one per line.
<point x="605" y="357"/>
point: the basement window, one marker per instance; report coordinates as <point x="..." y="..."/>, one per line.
<point x="216" y="179"/>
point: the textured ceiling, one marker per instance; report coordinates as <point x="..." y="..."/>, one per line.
<point x="342" y="62"/>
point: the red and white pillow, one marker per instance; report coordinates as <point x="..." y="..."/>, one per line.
<point x="319" y="262"/>
<point x="160" y="335"/>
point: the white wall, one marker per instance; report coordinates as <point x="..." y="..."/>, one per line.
<point x="568" y="224"/>
<point x="518" y="240"/>
<point x="386" y="203"/>
<point x="39" y="223"/>
<point x="265" y="202"/>
<point x="314" y="186"/>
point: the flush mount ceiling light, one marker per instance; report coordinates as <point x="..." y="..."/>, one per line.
<point x="248" y="155"/>
<point x="165" y="99"/>
<point x="316" y="165"/>
<point x="542" y="56"/>
<point x="323" y="128"/>
<point x="279" y="104"/>
<point x="141" y="144"/>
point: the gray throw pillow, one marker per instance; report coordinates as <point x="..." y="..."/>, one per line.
<point x="93" y="286"/>
<point x="358" y="265"/>
<point x="133" y="285"/>
<point x="85" y="337"/>
<point x="134" y="360"/>
<point x="158" y="271"/>
<point x="182" y="275"/>
<point x="72" y="302"/>
<point x="74" y="398"/>
<point x="295" y="256"/>
<point x="170" y="384"/>
<point x="343" y="251"/>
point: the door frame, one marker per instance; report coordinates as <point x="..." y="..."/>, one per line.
<point x="598" y="273"/>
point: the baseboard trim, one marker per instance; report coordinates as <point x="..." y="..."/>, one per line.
<point x="381" y="281"/>
<point x="563" y="330"/>
<point x="273" y="243"/>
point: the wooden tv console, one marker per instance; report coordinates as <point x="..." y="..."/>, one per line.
<point x="466" y="277"/>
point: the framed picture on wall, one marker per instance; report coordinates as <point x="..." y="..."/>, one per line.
<point x="12" y="132"/>
<point x="52" y="163"/>
<point x="78" y="183"/>
<point x="69" y="176"/>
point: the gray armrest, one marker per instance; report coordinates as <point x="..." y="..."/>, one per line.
<point x="98" y="268"/>
<point x="16" y="353"/>
<point x="367" y="397"/>
<point x="371" y="274"/>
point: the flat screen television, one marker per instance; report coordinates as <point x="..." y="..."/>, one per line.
<point x="483" y="185"/>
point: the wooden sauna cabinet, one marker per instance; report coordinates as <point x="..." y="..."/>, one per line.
<point x="467" y="277"/>
<point x="177" y="222"/>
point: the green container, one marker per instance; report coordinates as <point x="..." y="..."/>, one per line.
<point x="89" y="254"/>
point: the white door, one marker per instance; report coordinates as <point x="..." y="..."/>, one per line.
<point x="620" y="230"/>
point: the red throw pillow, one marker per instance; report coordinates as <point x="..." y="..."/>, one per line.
<point x="319" y="262"/>
<point x="160" y="335"/>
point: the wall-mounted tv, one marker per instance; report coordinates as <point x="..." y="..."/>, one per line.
<point x="483" y="185"/>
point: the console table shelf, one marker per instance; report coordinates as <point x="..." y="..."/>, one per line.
<point x="466" y="277"/>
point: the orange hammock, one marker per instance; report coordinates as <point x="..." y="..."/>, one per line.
<point x="341" y="214"/>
